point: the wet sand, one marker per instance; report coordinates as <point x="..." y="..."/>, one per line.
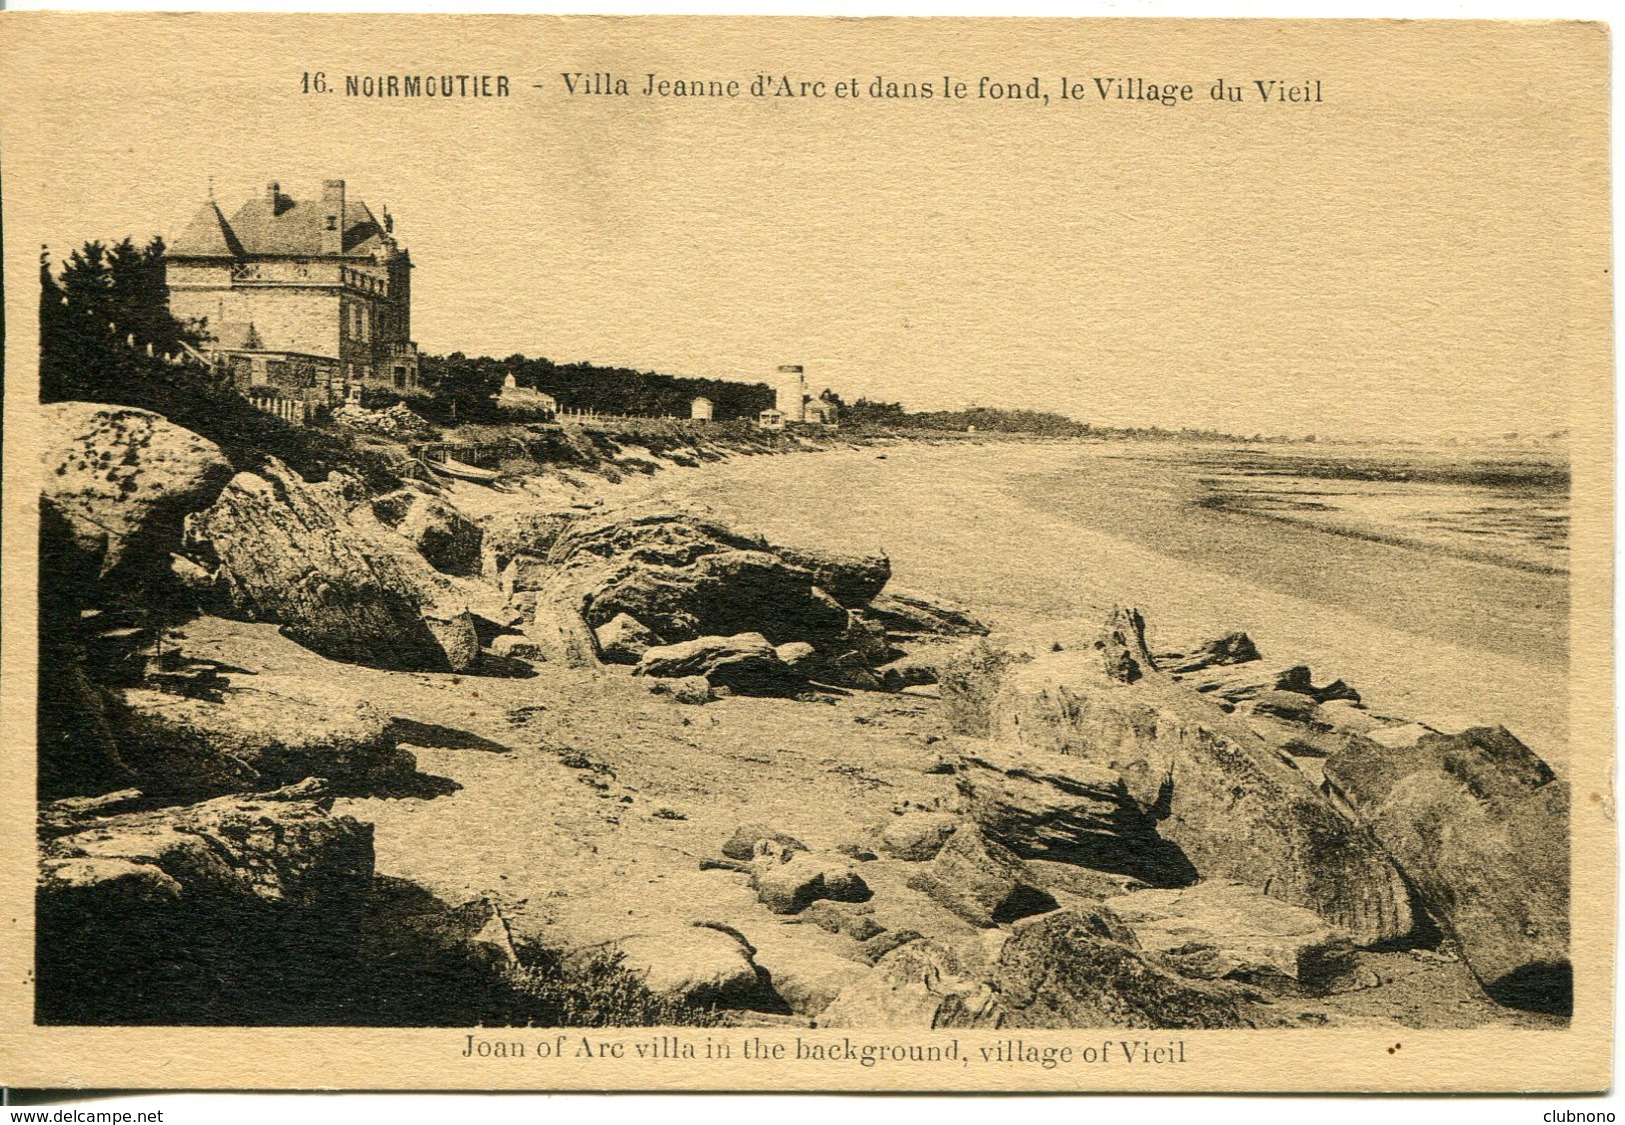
<point x="1044" y="537"/>
<point x="1496" y="606"/>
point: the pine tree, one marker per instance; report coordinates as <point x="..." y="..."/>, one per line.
<point x="99" y="317"/>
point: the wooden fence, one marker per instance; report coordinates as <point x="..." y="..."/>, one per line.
<point x="290" y="410"/>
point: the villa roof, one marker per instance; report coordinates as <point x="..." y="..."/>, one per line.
<point x="285" y="227"/>
<point x="209" y="235"/>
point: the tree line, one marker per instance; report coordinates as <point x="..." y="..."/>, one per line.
<point x="981" y="419"/>
<point x="464" y="388"/>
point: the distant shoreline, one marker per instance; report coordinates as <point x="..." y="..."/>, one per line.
<point x="1237" y="506"/>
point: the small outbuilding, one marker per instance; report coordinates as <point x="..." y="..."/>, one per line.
<point x="701" y="410"/>
<point x="770" y="419"/>
<point x="820" y="411"/>
<point x="529" y="399"/>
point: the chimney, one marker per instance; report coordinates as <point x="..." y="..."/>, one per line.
<point x="332" y="216"/>
<point x="273" y="195"/>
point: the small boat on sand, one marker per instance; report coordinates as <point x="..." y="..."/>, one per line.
<point x="451" y="467"/>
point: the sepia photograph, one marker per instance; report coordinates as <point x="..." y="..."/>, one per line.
<point x="704" y="553"/>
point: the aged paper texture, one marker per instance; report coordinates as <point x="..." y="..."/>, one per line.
<point x="805" y="554"/>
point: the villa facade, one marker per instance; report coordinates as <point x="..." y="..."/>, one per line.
<point x="304" y="299"/>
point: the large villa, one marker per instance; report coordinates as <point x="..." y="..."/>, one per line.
<point x="306" y="300"/>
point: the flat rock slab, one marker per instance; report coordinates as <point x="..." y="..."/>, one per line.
<point x="1220" y="929"/>
<point x="698" y="963"/>
<point x="917" y="986"/>
<point x="253" y="737"/>
<point x="1065" y="970"/>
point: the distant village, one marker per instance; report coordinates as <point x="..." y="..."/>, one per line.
<point x="306" y="305"/>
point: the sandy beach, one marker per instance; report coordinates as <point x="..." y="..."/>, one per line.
<point x="1048" y="536"/>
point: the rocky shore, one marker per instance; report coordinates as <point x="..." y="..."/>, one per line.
<point x="314" y="752"/>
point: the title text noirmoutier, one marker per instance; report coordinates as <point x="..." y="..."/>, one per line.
<point x="1029" y="89"/>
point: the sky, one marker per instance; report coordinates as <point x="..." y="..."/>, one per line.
<point x="1417" y="255"/>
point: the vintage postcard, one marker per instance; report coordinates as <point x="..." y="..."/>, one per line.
<point x="689" y="553"/>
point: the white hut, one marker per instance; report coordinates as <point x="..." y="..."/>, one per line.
<point x="701" y="410"/>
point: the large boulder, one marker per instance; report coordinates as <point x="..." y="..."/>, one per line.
<point x="701" y="964"/>
<point x="788" y="882"/>
<point x="852" y="580"/>
<point x="449" y="540"/>
<point x="123" y="479"/>
<point x="745" y="663"/>
<point x="288" y="552"/>
<point x="1234" y="806"/>
<point x="685" y="575"/>
<point x="981" y="881"/>
<point x="242" y="909"/>
<point x="918" y="986"/>
<point x="253" y="737"/>
<point x="1219" y="929"/>
<point x="1480" y="824"/>
<point x="624" y="640"/>
<point x="1059" y="807"/>
<point x="256" y="847"/>
<point x="727" y="591"/>
<point x="1067" y="970"/>
<point x="650" y="532"/>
